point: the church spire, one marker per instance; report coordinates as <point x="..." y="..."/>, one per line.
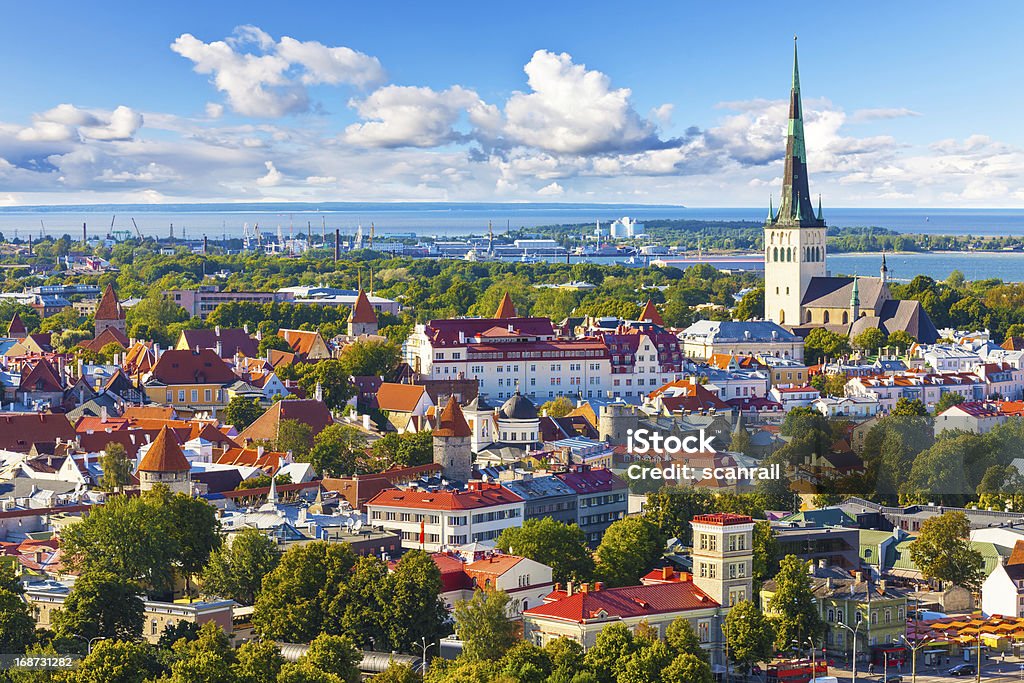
<point x="796" y="208"/>
<point x="885" y="269"/>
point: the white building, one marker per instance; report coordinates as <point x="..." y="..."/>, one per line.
<point x="625" y="228"/>
<point x="848" y="407"/>
<point x="437" y="520"/>
<point x="794" y="396"/>
<point x="706" y="338"/>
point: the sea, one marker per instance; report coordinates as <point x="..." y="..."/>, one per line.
<point x="450" y="219"/>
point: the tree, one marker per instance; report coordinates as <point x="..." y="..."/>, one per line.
<point x="901" y="340"/>
<point x="647" y="664"/>
<point x="765" y="562"/>
<point x="628" y="549"/>
<point x="192" y="525"/>
<point x="751" y="306"/>
<point x="333" y="378"/>
<point x="118" y="661"/>
<point x="412" y="608"/>
<point x="187" y="630"/>
<point x="263" y="481"/>
<point x="273" y="342"/>
<point x="335" y="655"/>
<point x="556" y="544"/>
<point x="869" y="340"/>
<point x="943" y="552"/>
<point x="242" y="411"/>
<point x="236" y="571"/>
<point x="17" y="627"/>
<point x="689" y="668"/>
<point x="794" y="616"/>
<point x="117" y="468"/>
<point x="566" y="657"/>
<point x="397" y="673"/>
<point x="672" y="507"/>
<point x="682" y="639"/>
<point x="301" y="597"/>
<point x="101" y="604"/>
<point x="371" y="358"/>
<point x="613" y="647"/>
<point x="483" y="625"/>
<point x="152" y="317"/>
<point x="559" y="407"/>
<point x="258" y="661"/>
<point x="294" y="437"/>
<point x="749" y="634"/>
<point x="822" y="343"/>
<point x="740" y="440"/>
<point x="906" y="407"/>
<point x="337" y="451"/>
<point x="948" y="400"/>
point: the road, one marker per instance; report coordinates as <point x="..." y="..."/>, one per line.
<point x="993" y="671"/>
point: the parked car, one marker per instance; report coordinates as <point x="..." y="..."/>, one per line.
<point x="962" y="670"/>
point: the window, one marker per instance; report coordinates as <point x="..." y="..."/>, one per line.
<point x="704" y="631"/>
<point x="181" y="395"/>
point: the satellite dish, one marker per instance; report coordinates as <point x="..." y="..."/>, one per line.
<point x="358" y="525"/>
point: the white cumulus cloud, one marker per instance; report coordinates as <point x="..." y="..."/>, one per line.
<point x="272" y="178"/>
<point x="403" y="116"/>
<point x="271" y="81"/>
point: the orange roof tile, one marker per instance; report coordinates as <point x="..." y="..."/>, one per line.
<point x="164" y="455"/>
<point x="452" y="422"/>
<point x="362" y="311"/>
<point x="16" y="329"/>
<point x="399" y="397"/>
<point x="650" y="312"/>
<point x="109" y="308"/>
<point x="506" y="309"/>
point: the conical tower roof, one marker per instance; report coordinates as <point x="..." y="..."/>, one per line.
<point x="16" y="328"/>
<point x="452" y="421"/>
<point x="506" y="309"/>
<point x="164" y="455"/>
<point x="109" y="307"/>
<point x="650" y="313"/>
<point x="362" y="311"/>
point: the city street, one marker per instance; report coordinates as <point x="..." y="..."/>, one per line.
<point x="993" y="670"/>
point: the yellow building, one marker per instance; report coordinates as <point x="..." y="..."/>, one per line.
<point x="190" y="381"/>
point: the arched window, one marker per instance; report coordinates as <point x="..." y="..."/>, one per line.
<point x="846" y="317"/>
<point x="782" y="317"/>
<point x="789" y="254"/>
<point x="824" y="317"/>
<point x="808" y="316"/>
<point x="775" y="254"/>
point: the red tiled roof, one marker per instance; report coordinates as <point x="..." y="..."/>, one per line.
<point x="164" y="455"/>
<point x="232" y="340"/>
<point x="1017" y="555"/>
<point x="399" y="397"/>
<point x="43" y="372"/>
<point x="650" y="312"/>
<point x="630" y="601"/>
<point x="301" y="341"/>
<point x="723" y="519"/>
<point x="584" y="480"/>
<point x="452" y="421"/>
<point x="109" y="335"/>
<point x="16" y="329"/>
<point x="480" y="496"/>
<point x="188" y="367"/>
<point x="308" y="411"/>
<point x="446" y="332"/>
<point x="109" y="308"/>
<point x="506" y="309"/>
<point x="493" y="565"/>
<point x="362" y="311"/>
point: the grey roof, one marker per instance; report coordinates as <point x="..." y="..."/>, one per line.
<point x="741" y="331"/>
<point x="835" y="292"/>
<point x="478" y="403"/>
<point x="518" y="407"/>
<point x="539" y="487"/>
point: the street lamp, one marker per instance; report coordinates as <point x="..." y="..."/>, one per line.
<point x="424" y="645"/>
<point x="913" y="653"/>
<point x="854" y="632"/>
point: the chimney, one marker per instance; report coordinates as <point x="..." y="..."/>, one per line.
<point x="103" y="414"/>
<point x="599" y="586"/>
<point x="366" y="422"/>
<point x="568" y="589"/>
<point x="246" y="328"/>
<point x="667" y="573"/>
<point x="585" y="588"/>
<point x="259" y="451"/>
<point x="558" y="586"/>
<point x="220" y="348"/>
<point x="337" y="244"/>
<point x="216" y="330"/>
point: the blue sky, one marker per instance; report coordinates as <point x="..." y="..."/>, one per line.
<point x="914" y="104"/>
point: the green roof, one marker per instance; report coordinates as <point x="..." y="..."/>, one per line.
<point x="823" y="517"/>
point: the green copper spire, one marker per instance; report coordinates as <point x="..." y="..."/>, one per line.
<point x="796" y="207"/>
<point x="855" y="295"/>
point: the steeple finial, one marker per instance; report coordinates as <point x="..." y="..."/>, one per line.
<point x="771" y="210"/>
<point x="855" y="294"/>
<point x="821" y="217"/>
<point x="796" y="68"/>
<point x="885" y="269"/>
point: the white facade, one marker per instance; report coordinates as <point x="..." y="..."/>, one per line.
<point x="794" y="397"/>
<point x="857" y="408"/>
<point x="1000" y="594"/>
<point x="792" y="256"/>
